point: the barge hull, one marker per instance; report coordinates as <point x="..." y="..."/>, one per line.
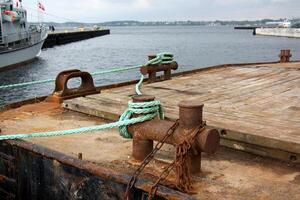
<point x="40" y="168"/>
<point x="255" y="107"/>
<point x="29" y="171"/>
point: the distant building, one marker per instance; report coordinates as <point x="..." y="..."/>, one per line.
<point x="280" y="24"/>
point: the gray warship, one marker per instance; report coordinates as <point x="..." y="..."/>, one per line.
<point x="20" y="43"/>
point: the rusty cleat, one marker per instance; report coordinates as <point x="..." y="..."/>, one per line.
<point x="285" y="55"/>
<point x="62" y="92"/>
<point x="151" y="70"/>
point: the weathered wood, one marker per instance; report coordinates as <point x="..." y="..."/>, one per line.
<point x="257" y="106"/>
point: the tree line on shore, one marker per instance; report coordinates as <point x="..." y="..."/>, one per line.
<point x="172" y="23"/>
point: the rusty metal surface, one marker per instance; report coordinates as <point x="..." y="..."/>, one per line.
<point x="151" y="70"/>
<point x="155" y="130"/>
<point x="190" y="138"/>
<point x="147" y="160"/>
<point x="62" y="92"/>
<point x="142" y="98"/>
<point x="285" y="55"/>
<point x="29" y="171"/>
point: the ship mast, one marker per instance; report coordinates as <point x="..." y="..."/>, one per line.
<point x="39" y="12"/>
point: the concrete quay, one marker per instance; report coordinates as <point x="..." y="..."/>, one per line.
<point x="65" y="37"/>
<point x="280" y="32"/>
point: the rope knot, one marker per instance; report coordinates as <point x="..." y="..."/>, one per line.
<point x="147" y="110"/>
<point x="161" y="58"/>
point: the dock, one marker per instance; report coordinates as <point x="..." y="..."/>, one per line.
<point x="255" y="107"/>
<point x="65" y="37"/>
<point x="278" y="32"/>
<point x="246" y="27"/>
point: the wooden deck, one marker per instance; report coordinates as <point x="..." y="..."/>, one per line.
<point x="256" y="108"/>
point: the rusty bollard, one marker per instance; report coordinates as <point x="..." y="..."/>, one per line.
<point x="285" y="55"/>
<point x="151" y="70"/>
<point x="141" y="147"/>
<point x="190" y="117"/>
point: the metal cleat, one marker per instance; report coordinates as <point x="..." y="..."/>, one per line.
<point x="152" y="69"/>
<point x="285" y="55"/>
<point x="62" y="92"/>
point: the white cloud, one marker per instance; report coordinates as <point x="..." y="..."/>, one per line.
<point x="146" y="10"/>
<point x="141" y="4"/>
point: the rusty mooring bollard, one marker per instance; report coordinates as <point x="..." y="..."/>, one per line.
<point x="62" y="92"/>
<point x="151" y="70"/>
<point x="190" y="117"/>
<point x="285" y="55"/>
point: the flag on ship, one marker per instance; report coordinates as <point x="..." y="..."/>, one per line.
<point x="41" y="6"/>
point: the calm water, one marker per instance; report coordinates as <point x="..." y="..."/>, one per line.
<point x="193" y="47"/>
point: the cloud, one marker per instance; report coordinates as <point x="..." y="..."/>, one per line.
<point x="148" y="10"/>
<point x="142" y="4"/>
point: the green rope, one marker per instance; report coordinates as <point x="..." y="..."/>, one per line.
<point x="147" y="110"/>
<point x="81" y="130"/>
<point x="26" y="84"/>
<point x="161" y="58"/>
<point x="138" y="86"/>
<point x="113" y="70"/>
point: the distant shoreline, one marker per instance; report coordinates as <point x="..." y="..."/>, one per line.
<point x="169" y="23"/>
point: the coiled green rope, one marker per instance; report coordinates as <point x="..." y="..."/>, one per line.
<point x="161" y="58"/>
<point x="152" y="108"/>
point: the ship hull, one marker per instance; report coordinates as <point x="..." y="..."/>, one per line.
<point x="16" y="57"/>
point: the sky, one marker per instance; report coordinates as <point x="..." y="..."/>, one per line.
<point x="162" y="10"/>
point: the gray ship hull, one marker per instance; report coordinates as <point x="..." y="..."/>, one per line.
<point x="16" y="57"/>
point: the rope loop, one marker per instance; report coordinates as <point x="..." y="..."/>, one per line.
<point x="148" y="110"/>
<point x="161" y="58"/>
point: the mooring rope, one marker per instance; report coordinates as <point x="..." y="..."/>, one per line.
<point x="149" y="108"/>
<point x="146" y="110"/>
<point x="113" y="70"/>
<point x="26" y="84"/>
<point x="84" y="129"/>
<point x="161" y="58"/>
